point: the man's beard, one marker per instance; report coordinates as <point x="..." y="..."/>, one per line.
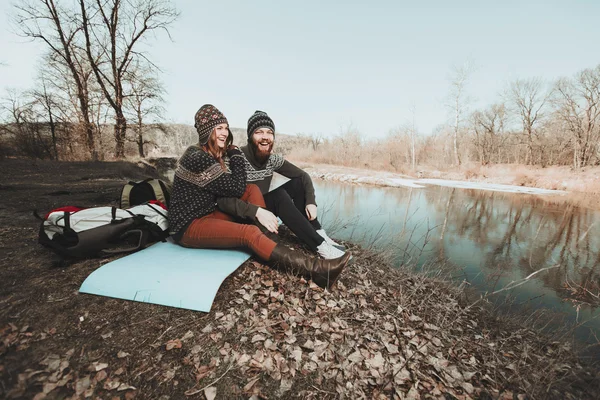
<point x="261" y="155"/>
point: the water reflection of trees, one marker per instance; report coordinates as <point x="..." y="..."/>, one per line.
<point x="525" y="232"/>
<point x="515" y="234"/>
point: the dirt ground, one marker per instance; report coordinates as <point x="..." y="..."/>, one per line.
<point x="381" y="333"/>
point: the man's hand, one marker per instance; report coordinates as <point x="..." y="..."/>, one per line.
<point x="311" y="211"/>
<point x="267" y="219"/>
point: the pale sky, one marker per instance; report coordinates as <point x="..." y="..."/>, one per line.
<point x="318" y="66"/>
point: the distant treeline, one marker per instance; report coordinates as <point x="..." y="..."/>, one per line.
<point x="533" y="123"/>
<point x="43" y="141"/>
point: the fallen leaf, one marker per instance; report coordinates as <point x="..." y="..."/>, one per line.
<point x="356" y="357"/>
<point x="96" y="366"/>
<point x="174" y="344"/>
<point x="391" y="348"/>
<point x="188" y="335"/>
<point x="250" y="384"/>
<point x="122" y="354"/>
<point x="286" y="385"/>
<point x="82" y="385"/>
<point x="100" y="376"/>
<point x="309" y="345"/>
<point x="48" y="387"/>
<point x="269" y="345"/>
<point x="210" y="393"/>
<point x="124" y="386"/>
<point x="376" y="362"/>
<point x="413" y="394"/>
<point x="258" y="338"/>
<point x="111" y="385"/>
<point x="468" y="387"/>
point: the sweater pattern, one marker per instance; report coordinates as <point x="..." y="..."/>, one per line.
<point x="273" y="164"/>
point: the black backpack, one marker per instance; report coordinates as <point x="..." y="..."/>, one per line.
<point x="136" y="193"/>
<point x="74" y="232"/>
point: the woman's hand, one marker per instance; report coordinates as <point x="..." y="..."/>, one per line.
<point x="311" y="211"/>
<point x="232" y="149"/>
<point x="267" y="219"/>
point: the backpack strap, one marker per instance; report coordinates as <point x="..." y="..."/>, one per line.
<point x="67" y="218"/>
<point x="160" y="196"/>
<point x="125" y="195"/>
<point x="156" y="210"/>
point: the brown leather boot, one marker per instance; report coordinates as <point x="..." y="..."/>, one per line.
<point x="323" y="272"/>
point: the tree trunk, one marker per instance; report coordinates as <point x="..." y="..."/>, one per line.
<point x="456" y="155"/>
<point x="456" y="125"/>
<point x="529" y="147"/>
<point x="120" y="131"/>
<point x="89" y="129"/>
<point x="140" y="140"/>
<point x="53" y="132"/>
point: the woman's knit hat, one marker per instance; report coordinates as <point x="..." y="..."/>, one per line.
<point x="206" y="119"/>
<point x="259" y="119"/>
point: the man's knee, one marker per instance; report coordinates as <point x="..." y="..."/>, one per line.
<point x="296" y="184"/>
<point x="279" y="195"/>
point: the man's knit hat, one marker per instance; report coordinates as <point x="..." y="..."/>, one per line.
<point x="206" y="119"/>
<point x="258" y="120"/>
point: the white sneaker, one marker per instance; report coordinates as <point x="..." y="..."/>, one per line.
<point x="329" y="252"/>
<point x="338" y="246"/>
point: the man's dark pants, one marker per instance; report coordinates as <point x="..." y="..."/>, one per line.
<point x="288" y="202"/>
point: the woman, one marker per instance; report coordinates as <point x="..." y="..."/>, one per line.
<point x="202" y="176"/>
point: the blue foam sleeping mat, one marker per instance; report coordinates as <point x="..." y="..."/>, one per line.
<point x="167" y="274"/>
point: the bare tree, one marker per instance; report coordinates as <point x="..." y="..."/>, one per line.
<point x="488" y="126"/>
<point x="113" y="31"/>
<point x="458" y="102"/>
<point x="578" y="106"/>
<point x="47" y="101"/>
<point x="528" y="99"/>
<point x="59" y="29"/>
<point x="145" y="101"/>
<point x="315" y="140"/>
<point x="23" y="127"/>
<point x="413" y="134"/>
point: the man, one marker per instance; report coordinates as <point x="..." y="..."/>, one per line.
<point x="293" y="202"/>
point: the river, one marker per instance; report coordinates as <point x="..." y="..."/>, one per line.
<point x="489" y="239"/>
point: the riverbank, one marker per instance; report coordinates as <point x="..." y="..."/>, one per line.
<point x="562" y="178"/>
<point x="380" y="333"/>
<point x="555" y="184"/>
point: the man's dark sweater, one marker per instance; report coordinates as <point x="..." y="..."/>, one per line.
<point x="261" y="175"/>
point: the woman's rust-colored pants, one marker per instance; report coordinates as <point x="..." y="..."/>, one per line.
<point x="219" y="231"/>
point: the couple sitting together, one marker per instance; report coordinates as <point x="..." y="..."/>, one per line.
<point x="221" y="199"/>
